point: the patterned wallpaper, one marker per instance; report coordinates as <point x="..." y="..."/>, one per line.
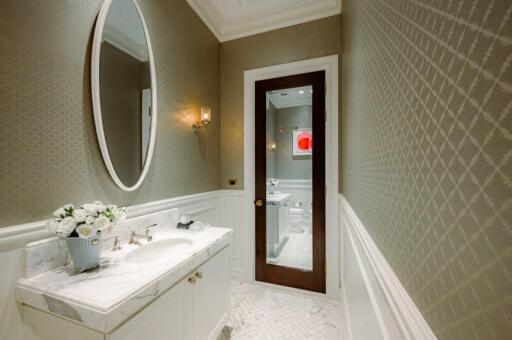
<point x="427" y="152"/>
<point x="48" y="148"/>
<point x="313" y="39"/>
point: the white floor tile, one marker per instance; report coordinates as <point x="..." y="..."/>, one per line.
<point x="266" y="313"/>
<point x="298" y="252"/>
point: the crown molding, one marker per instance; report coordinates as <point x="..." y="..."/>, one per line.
<point x="208" y="14"/>
<point x="265" y="21"/>
<point x="124" y="43"/>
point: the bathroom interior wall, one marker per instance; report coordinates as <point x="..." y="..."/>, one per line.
<point x="271" y="138"/>
<point x="305" y="41"/>
<point x="48" y="149"/>
<point x="427" y="149"/>
<point x="281" y="163"/>
<point x="122" y="99"/>
<point x="287" y="165"/>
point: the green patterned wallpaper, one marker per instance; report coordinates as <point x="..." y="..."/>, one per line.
<point x="312" y="39"/>
<point x="427" y="152"/>
<point x="48" y="149"/>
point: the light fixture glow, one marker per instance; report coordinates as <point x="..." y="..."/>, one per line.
<point x="272" y="146"/>
<point x="206" y="115"/>
<point x="301" y="92"/>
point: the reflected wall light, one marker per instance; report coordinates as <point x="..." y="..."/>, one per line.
<point x="272" y="146"/>
<point x="206" y="115"/>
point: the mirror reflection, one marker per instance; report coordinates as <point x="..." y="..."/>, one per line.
<point x="289" y="207"/>
<point x="125" y="90"/>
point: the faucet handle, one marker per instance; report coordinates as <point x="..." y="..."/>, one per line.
<point x="117" y="243"/>
<point x="149" y="238"/>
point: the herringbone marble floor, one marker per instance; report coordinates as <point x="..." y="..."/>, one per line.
<point x="298" y="251"/>
<point x="264" y="313"/>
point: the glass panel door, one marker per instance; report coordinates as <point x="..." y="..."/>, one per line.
<point x="290" y="181"/>
<point x="289" y="154"/>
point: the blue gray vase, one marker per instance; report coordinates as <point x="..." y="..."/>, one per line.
<point x="85" y="253"/>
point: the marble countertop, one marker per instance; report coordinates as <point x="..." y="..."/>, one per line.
<point x="104" y="297"/>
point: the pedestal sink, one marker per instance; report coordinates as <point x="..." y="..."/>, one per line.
<point x="158" y="250"/>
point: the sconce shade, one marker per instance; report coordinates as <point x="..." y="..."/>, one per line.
<point x="206" y="114"/>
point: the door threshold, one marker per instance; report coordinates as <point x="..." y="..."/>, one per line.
<point x="292" y="290"/>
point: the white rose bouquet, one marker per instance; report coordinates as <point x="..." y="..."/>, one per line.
<point x="85" y="221"/>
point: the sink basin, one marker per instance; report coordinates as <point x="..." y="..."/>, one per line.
<point x="278" y="198"/>
<point x="158" y="250"/>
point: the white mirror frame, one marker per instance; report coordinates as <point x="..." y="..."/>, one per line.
<point x="96" y="103"/>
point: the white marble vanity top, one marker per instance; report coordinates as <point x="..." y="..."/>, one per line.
<point x="104" y="297"/>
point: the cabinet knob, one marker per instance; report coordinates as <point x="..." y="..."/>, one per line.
<point x="192" y="280"/>
<point x="199" y="275"/>
<point x="258" y="203"/>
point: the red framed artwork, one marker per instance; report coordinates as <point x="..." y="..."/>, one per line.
<point x="302" y="142"/>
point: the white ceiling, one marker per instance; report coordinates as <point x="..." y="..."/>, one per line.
<point x="231" y="19"/>
<point x="296" y="96"/>
<point x="123" y="29"/>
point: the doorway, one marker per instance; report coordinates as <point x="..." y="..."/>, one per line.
<point x="289" y="182"/>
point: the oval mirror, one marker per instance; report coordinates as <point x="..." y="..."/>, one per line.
<point x="124" y="92"/>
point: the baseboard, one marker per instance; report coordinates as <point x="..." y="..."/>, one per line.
<point x="384" y="307"/>
<point x="346" y="329"/>
<point x="217" y="333"/>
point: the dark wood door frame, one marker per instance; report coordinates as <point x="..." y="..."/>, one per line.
<point x="314" y="280"/>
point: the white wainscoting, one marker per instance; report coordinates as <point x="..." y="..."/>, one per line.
<point x="374" y="303"/>
<point x="222" y="208"/>
<point x="232" y="216"/>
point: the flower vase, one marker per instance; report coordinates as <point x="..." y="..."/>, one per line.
<point x="85" y="253"/>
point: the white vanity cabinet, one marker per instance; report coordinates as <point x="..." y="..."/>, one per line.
<point x="195" y="308"/>
<point x="164" y="318"/>
<point x="211" y="303"/>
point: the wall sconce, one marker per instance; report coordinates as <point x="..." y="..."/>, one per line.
<point x="272" y="146"/>
<point x="206" y="115"/>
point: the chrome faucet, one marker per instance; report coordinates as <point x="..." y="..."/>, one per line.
<point x="117" y="243"/>
<point x="135" y="238"/>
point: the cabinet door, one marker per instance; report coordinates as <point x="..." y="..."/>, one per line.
<point x="211" y="297"/>
<point x="163" y="319"/>
<point x="39" y="325"/>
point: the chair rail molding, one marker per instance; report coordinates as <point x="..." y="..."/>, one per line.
<point x="196" y="205"/>
<point x="373" y="299"/>
<point x="18" y="235"/>
<point x="295" y="183"/>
